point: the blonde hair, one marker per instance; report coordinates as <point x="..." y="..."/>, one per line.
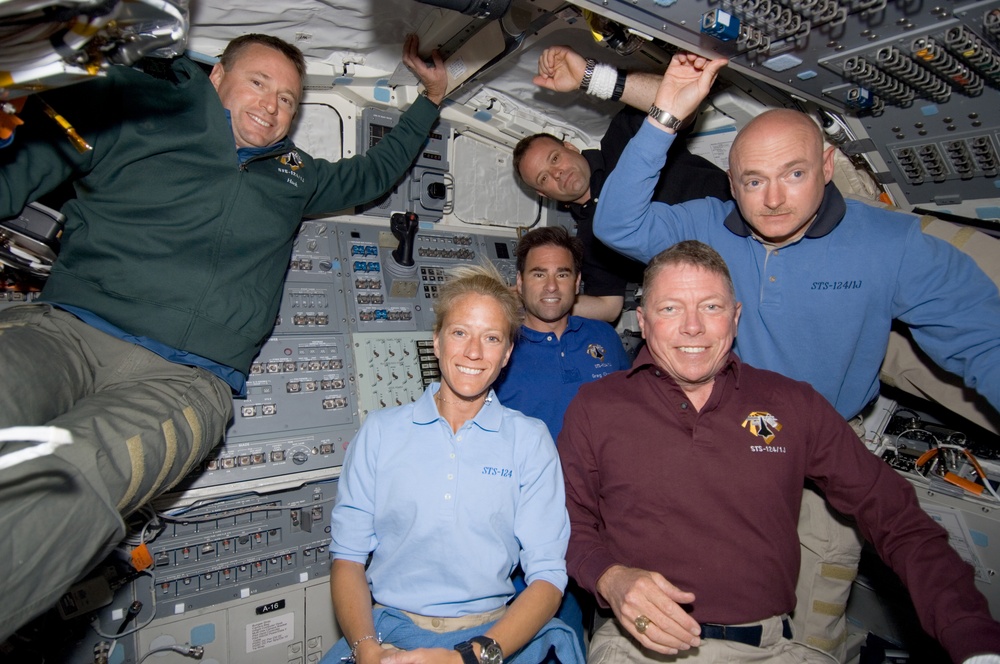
<point x="483" y="279"/>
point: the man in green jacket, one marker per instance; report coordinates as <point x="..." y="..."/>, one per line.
<point x="188" y="198"/>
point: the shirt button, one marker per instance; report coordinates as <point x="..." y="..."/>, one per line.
<point x="773" y="279"/>
<point x="447" y="496"/>
<point x="684" y="406"/>
<point x="451" y="456"/>
<point x="458" y="438"/>
<point x="450" y="476"/>
<point x="548" y="338"/>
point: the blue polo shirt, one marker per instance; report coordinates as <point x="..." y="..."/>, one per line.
<point x="447" y="516"/>
<point x="545" y="371"/>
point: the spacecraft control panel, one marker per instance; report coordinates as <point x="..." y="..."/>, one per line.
<point x="238" y="552"/>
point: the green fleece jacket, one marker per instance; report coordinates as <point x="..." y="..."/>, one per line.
<point x="169" y="237"/>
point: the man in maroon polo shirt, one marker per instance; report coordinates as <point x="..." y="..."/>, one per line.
<point x="683" y="482"/>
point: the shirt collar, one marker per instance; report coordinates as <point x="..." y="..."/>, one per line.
<point x="573" y="324"/>
<point x="831" y="211"/>
<point x="245" y="154"/>
<point x="488" y="418"/>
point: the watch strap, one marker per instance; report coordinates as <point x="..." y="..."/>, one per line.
<point x="619" y="90"/>
<point x="484" y="641"/>
<point x="588" y="73"/>
<point x="468" y="654"/>
<point x="664" y="118"/>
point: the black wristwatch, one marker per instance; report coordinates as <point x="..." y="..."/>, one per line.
<point x="491" y="652"/>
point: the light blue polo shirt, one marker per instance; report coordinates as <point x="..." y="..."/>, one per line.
<point x="448" y="516"/>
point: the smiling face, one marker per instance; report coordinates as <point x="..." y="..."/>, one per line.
<point x="688" y="318"/>
<point x="261" y="91"/>
<point x="472" y="346"/>
<point x="778" y="171"/>
<point x="548" y="288"/>
<point x="556" y="170"/>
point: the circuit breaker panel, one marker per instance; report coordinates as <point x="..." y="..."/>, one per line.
<point x="423" y="190"/>
<point x="244" y="578"/>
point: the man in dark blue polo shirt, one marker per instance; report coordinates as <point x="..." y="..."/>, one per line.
<point x="556" y="352"/>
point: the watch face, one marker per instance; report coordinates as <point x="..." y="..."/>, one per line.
<point x="492" y="655"/>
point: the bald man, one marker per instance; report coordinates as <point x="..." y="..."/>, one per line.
<point x="820" y="280"/>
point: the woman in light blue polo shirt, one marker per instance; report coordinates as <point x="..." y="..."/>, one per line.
<point x="446" y="496"/>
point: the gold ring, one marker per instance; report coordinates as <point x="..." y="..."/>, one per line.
<point x="641" y="623"/>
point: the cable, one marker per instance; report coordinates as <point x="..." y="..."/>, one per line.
<point x="978" y="469"/>
<point x="942" y="465"/>
<point x="96" y="622"/>
<point x="187" y="650"/>
<point x="133" y="610"/>
<point x="152" y="521"/>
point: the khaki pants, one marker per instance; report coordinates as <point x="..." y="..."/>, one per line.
<point x="139" y="424"/>
<point x="830" y="546"/>
<point x="442" y="625"/>
<point x="613" y="645"/>
<point x="831" y="550"/>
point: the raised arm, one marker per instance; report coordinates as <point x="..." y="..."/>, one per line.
<point x="560" y="68"/>
<point x="434" y="76"/>
<point x="364" y="177"/>
<point x="685" y="85"/>
<point x="627" y="219"/>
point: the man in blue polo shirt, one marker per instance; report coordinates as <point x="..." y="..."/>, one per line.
<point x="556" y="353"/>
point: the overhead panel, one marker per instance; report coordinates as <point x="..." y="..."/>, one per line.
<point x="923" y="79"/>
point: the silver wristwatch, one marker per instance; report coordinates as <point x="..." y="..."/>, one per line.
<point x="491" y="652"/>
<point x="588" y="74"/>
<point x="665" y="118"/>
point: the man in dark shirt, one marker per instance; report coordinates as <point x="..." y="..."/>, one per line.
<point x="557" y="170"/>
<point x="189" y="195"/>
<point x="683" y="483"/>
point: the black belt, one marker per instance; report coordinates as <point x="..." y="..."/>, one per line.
<point x="749" y="635"/>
